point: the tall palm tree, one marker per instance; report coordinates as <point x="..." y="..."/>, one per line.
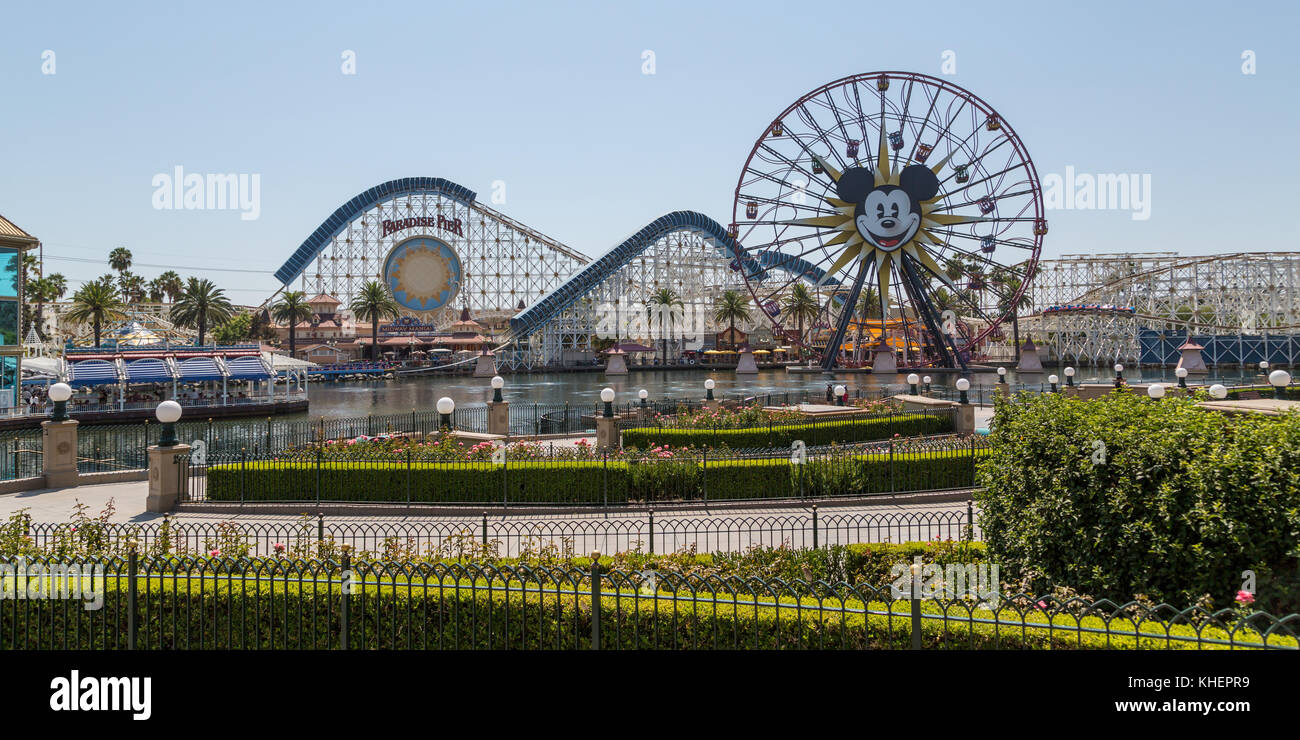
<point x="665" y="302"/>
<point x="731" y="306"/>
<point x="292" y="309"/>
<point x="1009" y="284"/>
<point x="801" y="306"/>
<point x="58" y="284"/>
<point x="155" y="290"/>
<point x="372" y="303"/>
<point x="868" y="308"/>
<point x="201" y="304"/>
<point x="96" y="303"/>
<point x="171" y="285"/>
<point x="120" y="259"/>
<point x="131" y="286"/>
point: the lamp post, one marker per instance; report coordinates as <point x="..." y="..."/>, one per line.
<point x="1053" y="380"/>
<point x="1263" y="366"/>
<point x="1069" y="377"/>
<point x="912" y="380"/>
<point x="1181" y="373"/>
<point x="1119" y="375"/>
<point x="1156" y="391"/>
<point x="643" y="394"/>
<point x="1280" y="379"/>
<point x="963" y="385"/>
<point x="926" y="381"/>
<point x="1218" y="392"/>
<point x="1002" y="376"/>
<point x="168" y="412"/>
<point x="708" y="389"/>
<point x="839" y="395"/>
<point x="607" y="395"/>
<point x="445" y="407"/>
<point x="498" y="383"/>
<point x="59" y="394"/>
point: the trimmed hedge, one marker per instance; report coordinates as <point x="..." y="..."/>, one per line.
<point x="460" y="613"/>
<point x="862" y="429"/>
<point x="589" y="482"/>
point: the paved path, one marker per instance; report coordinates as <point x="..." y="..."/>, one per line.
<point x="898" y="519"/>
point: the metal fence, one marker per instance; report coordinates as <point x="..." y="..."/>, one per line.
<point x="603" y="478"/>
<point x="163" y="603"/>
<point x="20" y="455"/>
<point x="500" y="536"/>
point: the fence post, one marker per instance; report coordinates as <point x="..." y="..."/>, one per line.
<point x="243" y="473"/>
<point x="319" y="454"/>
<point x="970" y="522"/>
<point x="345" y="606"/>
<point x="814" y="517"/>
<point x="915" y="595"/>
<point x="891" y="464"/>
<point x="131" y="594"/>
<point x="972" y="460"/>
<point x="605" y="475"/>
<point x="268" y="434"/>
<point x="595" y="599"/>
<point x="485" y="539"/>
<point x="408" y="477"/>
<point x="704" y="478"/>
<point x="320" y="527"/>
<point x="652" y="531"/>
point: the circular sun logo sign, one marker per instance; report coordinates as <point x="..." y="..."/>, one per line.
<point x="423" y="273"/>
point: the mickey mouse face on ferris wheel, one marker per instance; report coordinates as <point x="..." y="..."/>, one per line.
<point x="887" y="216"/>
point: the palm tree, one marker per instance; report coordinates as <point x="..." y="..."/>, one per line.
<point x="120" y="259"/>
<point x="664" y="301"/>
<point x="58" y="285"/>
<point x="1009" y="285"/>
<point x="731" y="306"/>
<point x="201" y="304"/>
<point x="868" y="308"/>
<point x="155" y="289"/>
<point x="96" y="303"/>
<point x="131" y="286"/>
<point x="801" y="306"/>
<point x="292" y="309"/>
<point x="372" y="303"/>
<point x="171" y="285"/>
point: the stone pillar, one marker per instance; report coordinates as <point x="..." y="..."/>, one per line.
<point x="1030" y="362"/>
<point x="964" y="421"/>
<point x="165" y="479"/>
<point x="59" y="453"/>
<point x="746" y="364"/>
<point x="615" y="362"/>
<point x="607" y="436"/>
<point x="1070" y="391"/>
<point x="499" y="417"/>
<point x="486" y="366"/>
<point x="1002" y="389"/>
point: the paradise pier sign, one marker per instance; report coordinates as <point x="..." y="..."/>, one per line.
<point x="423" y="222"/>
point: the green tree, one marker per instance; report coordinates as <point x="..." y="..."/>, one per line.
<point x="665" y="305"/>
<point x="1007" y="285"/>
<point x="120" y="259"/>
<point x="96" y="303"/>
<point x="202" y="304"/>
<point x="801" y="306"/>
<point x="868" y="308"/>
<point x="731" y="306"/>
<point x="234" y="331"/>
<point x="373" y="303"/>
<point x="131" y="286"/>
<point x="292" y="309"/>
<point x="171" y="284"/>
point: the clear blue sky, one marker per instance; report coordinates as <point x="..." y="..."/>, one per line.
<point x="550" y="98"/>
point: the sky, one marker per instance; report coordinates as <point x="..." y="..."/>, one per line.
<point x="552" y="100"/>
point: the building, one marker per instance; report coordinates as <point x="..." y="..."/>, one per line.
<point x="327" y="326"/>
<point x="14" y="243"/>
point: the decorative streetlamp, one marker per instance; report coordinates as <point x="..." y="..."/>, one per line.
<point x="59" y="394"/>
<point x="839" y="395"/>
<point x="1053" y="380"/>
<point x="445" y="407"/>
<point x="708" y="387"/>
<point x="607" y="395"/>
<point x="1069" y="377"/>
<point x="1156" y="391"/>
<point x="926" y="380"/>
<point x="912" y="380"/>
<point x="1182" y="377"/>
<point x="1002" y="376"/>
<point x="1280" y="379"/>
<point x="1218" y="392"/>
<point x="963" y="385"/>
<point x="1119" y="375"/>
<point x="498" y="383"/>
<point x="168" y="412"/>
<point x="643" y="394"/>
<point x="1263" y="366"/>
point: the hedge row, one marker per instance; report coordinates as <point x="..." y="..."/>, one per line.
<point x="861" y="429"/>
<point x="220" y="613"/>
<point x="589" y="482"/>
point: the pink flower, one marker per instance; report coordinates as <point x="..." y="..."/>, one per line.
<point x="215" y="553"/>
<point x="279" y="547"/>
<point x="1245" y="597"/>
<point x="1042" y="605"/>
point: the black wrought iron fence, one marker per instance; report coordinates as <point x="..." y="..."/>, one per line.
<point x="140" y="602"/>
<point x="20" y="455"/>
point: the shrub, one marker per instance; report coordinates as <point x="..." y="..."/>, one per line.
<point x="1184" y="501"/>
<point x="859" y="429"/>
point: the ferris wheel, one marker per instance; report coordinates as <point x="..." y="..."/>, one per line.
<point x="899" y="209"/>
